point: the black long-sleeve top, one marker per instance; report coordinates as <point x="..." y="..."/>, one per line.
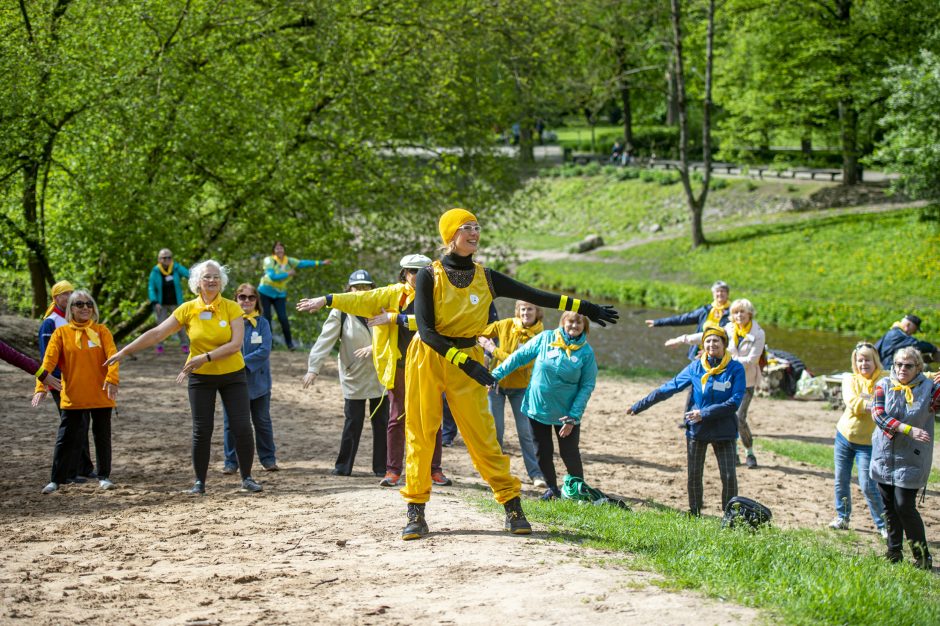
<point x="460" y="271"/>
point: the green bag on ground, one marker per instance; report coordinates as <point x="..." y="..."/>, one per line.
<point x="574" y="488"/>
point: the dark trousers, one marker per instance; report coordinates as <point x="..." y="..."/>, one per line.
<point x="695" y="457"/>
<point x="280" y="307"/>
<point x="902" y="517"/>
<point x="567" y="448"/>
<point x="448" y="425"/>
<point x="233" y="389"/>
<point x="355" y="411"/>
<point x="72" y="427"/>
<point x="81" y="460"/>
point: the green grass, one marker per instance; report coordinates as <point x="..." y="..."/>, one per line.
<point x="798" y="576"/>
<point x="816" y="454"/>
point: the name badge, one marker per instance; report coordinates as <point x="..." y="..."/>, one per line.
<point x="169" y="278"/>
<point x="223" y="323"/>
<point x="91" y="344"/>
<point x="574" y="358"/>
<point x="553" y="353"/>
<point x="255" y="337"/>
<point x="474" y="299"/>
<point x="721" y="386"/>
<point x="205" y="315"/>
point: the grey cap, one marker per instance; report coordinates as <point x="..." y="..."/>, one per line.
<point x="360" y="277"/>
<point x="720" y="284"/>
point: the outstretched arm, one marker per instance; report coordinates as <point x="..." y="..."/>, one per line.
<point x="506" y="287"/>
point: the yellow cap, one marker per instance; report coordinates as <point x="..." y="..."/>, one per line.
<point x="61" y="287"/>
<point x="452" y="220"/>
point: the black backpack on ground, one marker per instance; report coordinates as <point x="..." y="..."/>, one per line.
<point x="741" y="510"/>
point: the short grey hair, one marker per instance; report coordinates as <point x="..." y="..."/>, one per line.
<point x="197" y="271"/>
<point x="81" y="294"/>
<point x="910" y="351"/>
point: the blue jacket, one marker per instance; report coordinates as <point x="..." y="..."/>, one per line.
<point x="560" y="385"/>
<point x="698" y="317"/>
<point x="718" y="401"/>
<point x="155" y="284"/>
<point x="46" y="329"/>
<point x="894" y="340"/>
<point x="256" y="349"/>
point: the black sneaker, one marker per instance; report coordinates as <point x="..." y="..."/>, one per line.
<point x="751" y="461"/>
<point x="922" y="558"/>
<point x="416" y="526"/>
<point x="894" y="556"/>
<point x="516" y="523"/>
<point x="249" y="484"/>
<point x="198" y="489"/>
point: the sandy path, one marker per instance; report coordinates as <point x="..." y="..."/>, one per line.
<point x="324" y="548"/>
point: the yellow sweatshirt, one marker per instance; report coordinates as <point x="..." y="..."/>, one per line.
<point x="83" y="372"/>
<point x="511" y="335"/>
<point x="856" y="423"/>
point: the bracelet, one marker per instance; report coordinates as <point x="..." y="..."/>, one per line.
<point x="208" y="356"/>
<point x="906" y="429"/>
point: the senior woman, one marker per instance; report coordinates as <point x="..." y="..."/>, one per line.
<point x="904" y="408"/>
<point x="563" y="378"/>
<point x="256" y="350"/>
<point x="452" y="302"/>
<point x="89" y="388"/>
<point x="853" y="438"/>
<point x="215" y="366"/>
<point x="278" y="270"/>
<point x="746" y="340"/>
<point x="512" y="333"/>
<point x="718" y="386"/>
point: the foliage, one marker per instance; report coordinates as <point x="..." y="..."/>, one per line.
<point x="799" y="576"/>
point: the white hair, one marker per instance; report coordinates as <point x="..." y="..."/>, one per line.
<point x="197" y="271"/>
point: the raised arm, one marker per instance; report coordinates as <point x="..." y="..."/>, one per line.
<point x="506" y="287"/>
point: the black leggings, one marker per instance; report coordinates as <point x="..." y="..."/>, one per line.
<point x="233" y="388"/>
<point x="280" y="307"/>
<point x="902" y="517"/>
<point x="72" y="429"/>
<point x="567" y="448"/>
<point x="355" y="411"/>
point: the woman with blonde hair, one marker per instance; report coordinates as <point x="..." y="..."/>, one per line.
<point x="853" y="438"/>
<point x="78" y="349"/>
<point x="215" y="366"/>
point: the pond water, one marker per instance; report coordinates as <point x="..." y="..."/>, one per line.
<point x="631" y="344"/>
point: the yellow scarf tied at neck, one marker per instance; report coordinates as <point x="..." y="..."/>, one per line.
<point x="740" y="332"/>
<point x="523" y="334"/>
<point x="718" y="311"/>
<point x="167" y="271"/>
<point x="212" y="305"/>
<point x="85" y="329"/>
<point x="908" y="390"/>
<point x="252" y="318"/>
<point x="868" y="384"/>
<point x="714" y="371"/>
<point x="567" y="347"/>
<point x="281" y="260"/>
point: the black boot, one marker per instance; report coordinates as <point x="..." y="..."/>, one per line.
<point x="416" y="526"/>
<point x="922" y="558"/>
<point x="516" y="523"/>
<point x="894" y="556"/>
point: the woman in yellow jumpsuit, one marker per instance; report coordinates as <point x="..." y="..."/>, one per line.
<point x="452" y="301"/>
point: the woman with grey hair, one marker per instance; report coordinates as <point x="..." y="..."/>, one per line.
<point x="78" y="349"/>
<point x="215" y="365"/>
<point x="904" y="407"/>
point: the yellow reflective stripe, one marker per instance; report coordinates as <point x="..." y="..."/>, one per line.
<point x="451" y="354"/>
<point x="563" y="305"/>
<point x="575" y="304"/>
<point x="412" y="322"/>
<point x="460" y="358"/>
<point x="40" y="372"/>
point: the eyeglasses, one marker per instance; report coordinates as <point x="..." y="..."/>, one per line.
<point x="81" y="304"/>
<point x="904" y="366"/>
<point x="470" y="228"/>
<point x="864" y="344"/>
<point x="165" y="257"/>
<point x="247" y="297"/>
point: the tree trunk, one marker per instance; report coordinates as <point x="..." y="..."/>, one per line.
<point x="672" y="98"/>
<point x="625" y="97"/>
<point x="849" y="122"/>
<point x="526" y="148"/>
<point x="806" y="146"/>
<point x="34" y="258"/>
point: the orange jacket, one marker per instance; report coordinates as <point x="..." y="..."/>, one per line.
<point x="83" y="372"/>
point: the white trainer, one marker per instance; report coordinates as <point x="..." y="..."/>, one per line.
<point x="50" y="488"/>
<point x="105" y="484"/>
<point x="839" y="523"/>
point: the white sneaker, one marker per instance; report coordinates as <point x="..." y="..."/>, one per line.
<point x="839" y="523"/>
<point x="105" y="483"/>
<point x="883" y="532"/>
<point x="51" y="487"/>
<point x="539" y="483"/>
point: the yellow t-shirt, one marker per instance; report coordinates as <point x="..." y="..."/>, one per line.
<point x="210" y="327"/>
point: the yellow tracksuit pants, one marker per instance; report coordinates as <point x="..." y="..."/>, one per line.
<point x="427" y="376"/>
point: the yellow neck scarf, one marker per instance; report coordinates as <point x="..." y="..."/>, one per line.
<point x="896" y="325"/>
<point x="868" y="384"/>
<point x="212" y="305"/>
<point x="252" y="318"/>
<point x="718" y="311"/>
<point x="714" y="371"/>
<point x="740" y="332"/>
<point x="85" y="329"/>
<point x="523" y="334"/>
<point x="567" y="347"/>
<point x="167" y="271"/>
<point x="908" y="389"/>
<point x="281" y="260"/>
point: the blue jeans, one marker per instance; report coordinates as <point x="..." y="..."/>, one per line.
<point x="845" y="453"/>
<point x="264" y="433"/>
<point x="497" y="399"/>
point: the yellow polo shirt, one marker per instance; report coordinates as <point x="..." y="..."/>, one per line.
<point x="210" y="327"/>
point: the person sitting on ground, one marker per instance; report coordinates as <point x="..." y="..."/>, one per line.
<point x="357" y="378"/>
<point x="901" y="335"/>
<point x="165" y="289"/>
<point x="853" y="438"/>
<point x="279" y="269"/>
<point x="718" y="385"/>
<point x="714" y="314"/>
<point x="512" y="333"/>
<point x="904" y="409"/>
<point x="563" y="378"/>
<point x="79" y="349"/>
<point x="746" y="341"/>
<point x="616" y="154"/>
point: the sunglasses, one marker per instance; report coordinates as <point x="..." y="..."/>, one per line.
<point x="864" y="344"/>
<point x="166" y="257"/>
<point x="247" y="297"/>
<point x="81" y="304"/>
<point x="905" y="366"/>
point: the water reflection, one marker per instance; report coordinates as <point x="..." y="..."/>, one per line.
<point x="631" y="344"/>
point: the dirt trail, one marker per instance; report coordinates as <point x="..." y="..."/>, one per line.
<point x="314" y="547"/>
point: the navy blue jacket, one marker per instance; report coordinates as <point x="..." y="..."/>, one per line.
<point x="894" y="340"/>
<point x="698" y="317"/>
<point x="718" y="401"/>
<point x="256" y="349"/>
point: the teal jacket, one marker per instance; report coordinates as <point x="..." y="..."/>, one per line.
<point x="561" y="385"/>
<point x="155" y="285"/>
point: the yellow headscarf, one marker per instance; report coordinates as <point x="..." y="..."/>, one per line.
<point x="452" y="220"/>
<point x="58" y="289"/>
<point x="567" y="347"/>
<point x="85" y="329"/>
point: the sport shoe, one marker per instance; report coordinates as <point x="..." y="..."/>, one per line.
<point x="184" y="349"/>
<point x="158" y="349"/>
<point x="841" y="523"/>
<point x="390" y="480"/>
<point x="273" y="467"/>
<point x="440" y="480"/>
<point x="751" y="461"/>
<point x="516" y="523"/>
<point x="198" y="489"/>
<point x="548" y="495"/>
<point x="51" y="487"/>
<point x="249" y="484"/>
<point x="539" y="483"/>
<point x="229" y="469"/>
<point x="883" y="532"/>
<point x="416" y="526"/>
<point x="894" y="556"/>
<point x="106" y="484"/>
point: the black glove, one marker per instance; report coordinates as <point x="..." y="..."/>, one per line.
<point x="477" y="372"/>
<point x="600" y="314"/>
